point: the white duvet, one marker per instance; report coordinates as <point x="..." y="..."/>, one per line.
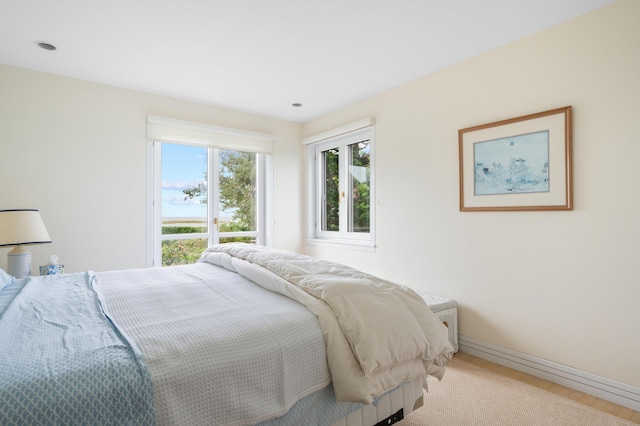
<point x="378" y="334"/>
<point x="220" y="350"/>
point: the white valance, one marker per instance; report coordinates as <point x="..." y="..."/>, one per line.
<point x="360" y="124"/>
<point x="172" y="130"/>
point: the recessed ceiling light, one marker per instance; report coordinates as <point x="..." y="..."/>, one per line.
<point x="44" y="45"/>
<point x="297" y="105"/>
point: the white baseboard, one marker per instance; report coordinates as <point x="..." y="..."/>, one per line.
<point x="600" y="387"/>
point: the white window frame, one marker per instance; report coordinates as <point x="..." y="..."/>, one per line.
<point x="165" y="130"/>
<point x="341" y="138"/>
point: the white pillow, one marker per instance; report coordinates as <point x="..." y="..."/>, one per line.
<point x="5" y="279"/>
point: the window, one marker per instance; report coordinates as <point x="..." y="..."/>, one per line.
<point x="202" y="193"/>
<point x="341" y="186"/>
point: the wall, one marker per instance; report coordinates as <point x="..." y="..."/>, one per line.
<point x="77" y="152"/>
<point x="560" y="285"/>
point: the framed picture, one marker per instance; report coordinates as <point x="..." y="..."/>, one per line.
<point x="522" y="163"/>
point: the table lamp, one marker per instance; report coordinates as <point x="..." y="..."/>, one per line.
<point x="21" y="228"/>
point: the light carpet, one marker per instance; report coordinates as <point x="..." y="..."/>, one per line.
<point x="470" y="395"/>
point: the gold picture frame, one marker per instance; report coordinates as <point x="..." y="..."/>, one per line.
<point x="519" y="164"/>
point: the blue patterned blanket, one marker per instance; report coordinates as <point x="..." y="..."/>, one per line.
<point x="63" y="362"/>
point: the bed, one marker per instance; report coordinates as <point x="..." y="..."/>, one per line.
<point x="247" y="335"/>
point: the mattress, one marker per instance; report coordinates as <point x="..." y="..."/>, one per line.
<point x="408" y="397"/>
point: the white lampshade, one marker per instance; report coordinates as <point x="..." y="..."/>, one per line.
<point x="21" y="228"/>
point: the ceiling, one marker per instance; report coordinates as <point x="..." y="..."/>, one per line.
<point x="262" y="56"/>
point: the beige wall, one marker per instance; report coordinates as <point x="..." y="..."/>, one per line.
<point x="563" y="286"/>
<point x="77" y="151"/>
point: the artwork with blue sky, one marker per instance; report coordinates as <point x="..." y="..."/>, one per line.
<point x="511" y="165"/>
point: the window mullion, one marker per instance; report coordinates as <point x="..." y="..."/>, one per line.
<point x="261" y="204"/>
<point x="157" y="204"/>
<point x="345" y="203"/>
<point x="322" y="196"/>
<point x="213" y="195"/>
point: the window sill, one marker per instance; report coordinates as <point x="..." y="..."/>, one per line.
<point x="343" y="244"/>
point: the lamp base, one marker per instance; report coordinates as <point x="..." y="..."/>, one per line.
<point x="19" y="262"/>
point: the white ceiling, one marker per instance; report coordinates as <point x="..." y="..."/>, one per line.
<point x="261" y="56"/>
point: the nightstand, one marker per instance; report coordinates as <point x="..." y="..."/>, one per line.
<point x="447" y="311"/>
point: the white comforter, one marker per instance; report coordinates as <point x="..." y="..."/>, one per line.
<point x="220" y="350"/>
<point x="378" y="334"/>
